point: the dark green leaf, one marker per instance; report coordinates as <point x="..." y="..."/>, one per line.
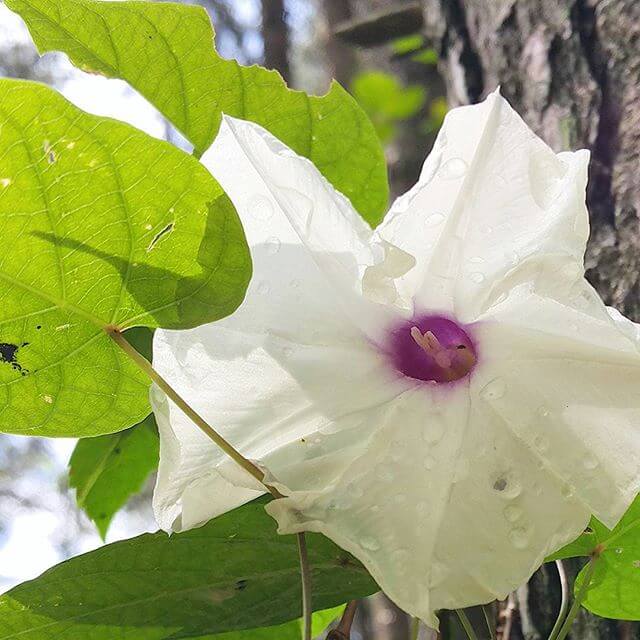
<point x="234" y="573"/>
<point x="165" y="51"/>
<point x="105" y="226"/>
<point x="107" y="470"/>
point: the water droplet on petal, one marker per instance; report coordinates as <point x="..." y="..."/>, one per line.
<point x="428" y="463"/>
<point x="5" y="182"/>
<point x="295" y="283"/>
<point x="590" y="462"/>
<point x="261" y="208"/>
<point x="272" y="245"/>
<point x="263" y="288"/>
<point x="476" y="260"/>
<point x="400" y="556"/>
<point x="434" y="220"/>
<point x="567" y="491"/>
<point x="619" y="550"/>
<point x="494" y="390"/>
<point x="519" y="537"/>
<point x="433" y="431"/>
<point x="512" y="513"/>
<point x="477" y="277"/>
<point x="369" y="543"/>
<point x="543" y="412"/>
<point x="541" y="443"/>
<point x="384" y="473"/>
<point x="453" y="169"/>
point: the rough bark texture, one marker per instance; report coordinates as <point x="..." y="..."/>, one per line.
<point x="572" y="70"/>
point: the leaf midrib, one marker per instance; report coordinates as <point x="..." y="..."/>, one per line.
<point x="159" y="596"/>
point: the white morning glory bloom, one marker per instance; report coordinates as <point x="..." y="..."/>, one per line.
<point x="445" y="397"/>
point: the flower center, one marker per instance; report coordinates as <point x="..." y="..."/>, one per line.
<point x="432" y="347"/>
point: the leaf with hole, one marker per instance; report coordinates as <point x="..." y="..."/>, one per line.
<point x="105" y="226"/>
<point x="234" y="573"/>
<point x="165" y="51"/>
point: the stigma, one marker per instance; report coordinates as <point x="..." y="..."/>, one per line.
<point x="432" y="348"/>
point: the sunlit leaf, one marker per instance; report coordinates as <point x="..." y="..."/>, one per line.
<point x="291" y="630"/>
<point x="105" y="226"/>
<point x="107" y="470"/>
<point x="165" y="51"/>
<point x="234" y="573"/>
<point x="616" y="581"/>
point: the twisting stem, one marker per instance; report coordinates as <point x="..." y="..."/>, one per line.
<point x="582" y="592"/>
<point x="343" y="629"/>
<point x="200" y="422"/>
<point x="415" y="629"/>
<point x="564" y="603"/>
<point x="305" y="574"/>
<point x="466" y="625"/>
<point x="488" y="616"/>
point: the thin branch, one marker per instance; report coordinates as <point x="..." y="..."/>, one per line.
<point x="305" y="574"/>
<point x="489" y="619"/>
<point x="145" y="366"/>
<point x="415" y="629"/>
<point x="580" y="596"/>
<point x="343" y="629"/>
<point x="466" y="625"/>
<point x="564" y="603"/>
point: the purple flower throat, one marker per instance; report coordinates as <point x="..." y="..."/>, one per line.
<point x="433" y="348"/>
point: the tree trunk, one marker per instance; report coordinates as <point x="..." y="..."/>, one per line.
<point x="275" y="35"/>
<point x="571" y="68"/>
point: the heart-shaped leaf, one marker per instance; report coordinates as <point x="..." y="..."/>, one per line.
<point x="234" y="573"/>
<point x="616" y="579"/>
<point x="104" y="226"/>
<point x="165" y="51"/>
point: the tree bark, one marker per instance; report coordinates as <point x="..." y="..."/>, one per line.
<point x="571" y="68"/>
<point x="275" y="35"/>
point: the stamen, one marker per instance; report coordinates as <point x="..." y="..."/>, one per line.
<point x="445" y="357"/>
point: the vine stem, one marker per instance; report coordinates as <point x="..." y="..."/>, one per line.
<point x="196" y="418"/>
<point x="466" y="625"/>
<point x="305" y="574"/>
<point x="489" y="619"/>
<point x="582" y="592"/>
<point x="145" y="366"/>
<point x="564" y="603"/>
<point x="415" y="629"/>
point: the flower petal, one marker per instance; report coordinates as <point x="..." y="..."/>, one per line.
<point x="296" y="357"/>
<point x="443" y="508"/>
<point x="566" y="382"/>
<point x="494" y="207"/>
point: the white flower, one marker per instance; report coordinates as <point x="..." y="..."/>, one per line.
<point x="451" y="489"/>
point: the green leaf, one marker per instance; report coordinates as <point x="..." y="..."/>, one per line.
<point x="105" y="226"/>
<point x="615" y="588"/>
<point x="616" y="581"/>
<point x="386" y="100"/>
<point x="234" y="573"/>
<point x="291" y="630"/>
<point x="107" y="470"/>
<point x="583" y="545"/>
<point x="165" y="51"/>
